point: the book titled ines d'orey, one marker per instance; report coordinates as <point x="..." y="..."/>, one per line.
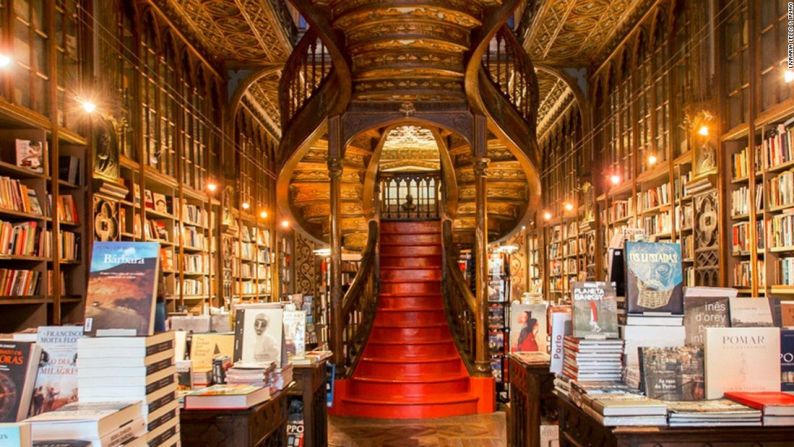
<point x="122" y="288"/>
<point x="654" y="278"/>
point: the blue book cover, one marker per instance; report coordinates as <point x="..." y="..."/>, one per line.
<point x="654" y="278"/>
<point x="787" y="360"/>
<point x="14" y="434"/>
<point x="122" y="289"/>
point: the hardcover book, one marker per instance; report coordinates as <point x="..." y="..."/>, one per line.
<point x="672" y="373"/>
<point x="205" y="347"/>
<point x="528" y="328"/>
<point x="295" y="332"/>
<point x="787" y="314"/>
<point x="654" y="278"/>
<point x="56" y="382"/>
<point x="259" y="335"/>
<point x="18" y="363"/>
<point x="122" y="289"/>
<point x="701" y="312"/>
<point x="787" y="360"/>
<point x="560" y="327"/>
<point x="15" y="434"/>
<point x="750" y="312"/>
<point x="594" y="310"/>
<point x="741" y="359"/>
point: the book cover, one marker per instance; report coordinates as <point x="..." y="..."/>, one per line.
<point x="750" y="312"/>
<point x="30" y="155"/>
<point x="672" y="373"/>
<point x="594" y="310"/>
<point x="560" y="327"/>
<point x="654" y="277"/>
<point x="205" y="347"/>
<point x="160" y="203"/>
<point x="496" y="290"/>
<point x="122" y="288"/>
<point x="15" y="434"/>
<point x="295" y="332"/>
<point x="778" y="403"/>
<point x="787" y="360"/>
<point x="701" y="312"/>
<point x="18" y="363"/>
<point x="528" y="328"/>
<point x="741" y="359"/>
<point x="787" y="314"/>
<point x="56" y="382"/>
<point x="259" y="335"/>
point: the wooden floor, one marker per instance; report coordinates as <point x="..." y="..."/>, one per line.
<point x="484" y="430"/>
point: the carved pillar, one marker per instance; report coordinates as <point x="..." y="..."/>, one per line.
<point x="335" y="176"/>
<point x="480" y="150"/>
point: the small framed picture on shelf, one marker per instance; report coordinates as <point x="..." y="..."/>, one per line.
<point x="160" y="203"/>
<point x="30" y="155"/>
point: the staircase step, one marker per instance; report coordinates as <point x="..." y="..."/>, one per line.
<point x="410" y="239"/>
<point x="410" y="250"/>
<point x="411" y="288"/>
<point x="409" y="318"/>
<point x="385" y="388"/>
<point x="444" y="347"/>
<point x="409" y="334"/>
<point x="405" y="407"/>
<point x="409" y="274"/>
<point x="413" y="261"/>
<point x="410" y="227"/>
<point x="409" y="367"/>
<point x="408" y="302"/>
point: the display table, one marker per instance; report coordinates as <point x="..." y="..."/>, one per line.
<point x="531" y="398"/>
<point x="579" y="429"/>
<point x="259" y="426"/>
<point x="310" y="387"/>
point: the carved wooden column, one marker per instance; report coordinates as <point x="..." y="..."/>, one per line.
<point x="335" y="176"/>
<point x="480" y="150"/>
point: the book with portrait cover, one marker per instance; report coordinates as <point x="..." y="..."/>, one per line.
<point x="56" y="382"/>
<point x="18" y="363"/>
<point x="594" y="310"/>
<point x="741" y="359"/>
<point x="705" y="307"/>
<point x="122" y="289"/>
<point x="787" y="360"/>
<point x="528" y="328"/>
<point x="259" y="335"/>
<point x="674" y="373"/>
<point x="654" y="278"/>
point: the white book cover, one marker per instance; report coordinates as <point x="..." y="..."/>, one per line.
<point x="56" y="382"/>
<point x="750" y="312"/>
<point x="259" y="335"/>
<point x="295" y="332"/>
<point x="742" y="359"/>
<point x="560" y="327"/>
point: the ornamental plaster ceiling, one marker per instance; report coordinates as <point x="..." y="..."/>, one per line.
<point x="410" y="147"/>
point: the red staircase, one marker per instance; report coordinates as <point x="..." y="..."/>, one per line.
<point x="410" y="367"/>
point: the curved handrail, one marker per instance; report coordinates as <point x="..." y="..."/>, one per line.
<point x="358" y="305"/>
<point x="460" y="305"/>
<point x="307" y="68"/>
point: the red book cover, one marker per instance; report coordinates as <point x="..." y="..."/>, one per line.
<point x="773" y="403"/>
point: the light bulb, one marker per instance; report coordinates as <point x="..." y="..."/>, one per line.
<point x="212" y="186"/>
<point x="568" y="206"/>
<point x="704" y="130"/>
<point x="652" y="160"/>
<point x="5" y="61"/>
<point x="788" y="75"/>
<point x="284" y="224"/>
<point x="547" y="215"/>
<point x="87" y="105"/>
<point x="263" y="214"/>
<point x="246" y="205"/>
<point x="615" y="179"/>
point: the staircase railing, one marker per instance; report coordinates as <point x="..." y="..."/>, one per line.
<point x="409" y="195"/>
<point x="307" y="68"/>
<point x="511" y="71"/>
<point x="358" y="306"/>
<point x="461" y="308"/>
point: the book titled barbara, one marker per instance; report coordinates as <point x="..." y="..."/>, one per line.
<point x="594" y="310"/>
<point x="742" y="359"/>
<point x="122" y="289"/>
<point x="672" y="373"/>
<point x="56" y="382"/>
<point x="654" y="278"/>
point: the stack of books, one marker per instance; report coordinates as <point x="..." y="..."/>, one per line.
<point x="648" y="331"/>
<point x="273" y="378"/>
<point x="626" y="409"/>
<point x="95" y="423"/>
<point x="588" y="360"/>
<point x="227" y="397"/>
<point x="777" y="407"/>
<point x="133" y="369"/>
<point x="712" y="413"/>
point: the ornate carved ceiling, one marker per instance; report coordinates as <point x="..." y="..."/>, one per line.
<point x="410" y="147"/>
<point x="263" y="95"/>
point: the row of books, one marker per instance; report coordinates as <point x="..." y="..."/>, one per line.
<point x="658" y="223"/>
<point x="776" y="146"/>
<point x="192" y="287"/>
<point x="781" y="189"/>
<point x="22" y="239"/>
<point x="195" y="263"/>
<point x="740" y="200"/>
<point x="781" y="230"/>
<point x="194" y="214"/>
<point x="16" y="196"/>
<point x="786" y="266"/>
<point x="654" y="197"/>
<point x="19" y="282"/>
<point x="740" y="237"/>
<point x="620" y="209"/>
<point x="66" y="208"/>
<point x="741" y="168"/>
<point x="194" y="237"/>
<point x="743" y="273"/>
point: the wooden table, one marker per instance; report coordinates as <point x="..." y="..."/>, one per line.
<point x="264" y="425"/>
<point x="310" y="387"/>
<point x="578" y="429"/>
<point x="531" y="399"/>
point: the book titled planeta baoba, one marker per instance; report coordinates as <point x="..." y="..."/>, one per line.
<point x="122" y="288"/>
